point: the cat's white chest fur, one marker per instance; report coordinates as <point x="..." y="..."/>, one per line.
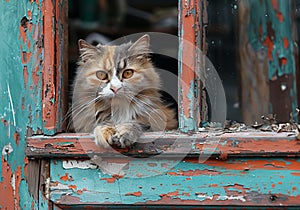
<point x="121" y="111"/>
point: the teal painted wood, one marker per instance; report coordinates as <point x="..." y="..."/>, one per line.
<point x="20" y="96"/>
<point x="262" y="14"/>
<point x="238" y="182"/>
<point x="271" y="30"/>
<point x="189" y="68"/>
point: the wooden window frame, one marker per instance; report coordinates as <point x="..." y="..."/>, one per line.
<point x="69" y="145"/>
<point x="55" y="74"/>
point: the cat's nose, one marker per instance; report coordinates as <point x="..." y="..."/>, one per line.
<point x="114" y="89"/>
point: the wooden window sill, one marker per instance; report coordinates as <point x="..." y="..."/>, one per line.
<point x="222" y="145"/>
<point x="253" y="157"/>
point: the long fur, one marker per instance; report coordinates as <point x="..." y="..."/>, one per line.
<point x="118" y="118"/>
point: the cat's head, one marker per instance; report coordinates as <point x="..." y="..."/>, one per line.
<point x="116" y="71"/>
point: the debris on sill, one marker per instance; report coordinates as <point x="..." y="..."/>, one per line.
<point x="269" y="124"/>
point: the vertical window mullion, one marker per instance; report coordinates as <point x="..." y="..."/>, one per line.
<point x="192" y="42"/>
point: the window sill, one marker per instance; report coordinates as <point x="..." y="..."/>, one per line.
<point x="247" y="180"/>
<point x="222" y="145"/>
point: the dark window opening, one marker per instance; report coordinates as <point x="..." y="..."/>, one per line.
<point x="222" y="50"/>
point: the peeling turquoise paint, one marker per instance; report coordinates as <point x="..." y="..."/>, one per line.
<point x="271" y="30"/>
<point x="191" y="97"/>
<point x="12" y="80"/>
<point x="20" y="93"/>
<point x="212" y="181"/>
<point x="261" y="14"/>
<point x="187" y="124"/>
<point x="190" y="123"/>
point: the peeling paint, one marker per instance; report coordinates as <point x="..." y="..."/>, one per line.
<point x="137" y="194"/>
<point x="7" y="149"/>
<point x="5" y="186"/>
<point x="22" y="60"/>
<point x="82" y="164"/>
<point x="240" y="198"/>
<point x="79" y="182"/>
<point x="223" y="146"/>
<point x="47" y="188"/>
<point x="188" y="91"/>
<point x="271" y="28"/>
<point x="228" y="184"/>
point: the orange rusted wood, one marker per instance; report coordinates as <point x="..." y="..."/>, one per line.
<point x="61" y="44"/>
<point x="192" y="27"/>
<point x="243" y="144"/>
<point x="49" y="105"/>
<point x="55" y="64"/>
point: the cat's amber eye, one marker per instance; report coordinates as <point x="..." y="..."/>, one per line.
<point x="127" y="73"/>
<point x="102" y="75"/>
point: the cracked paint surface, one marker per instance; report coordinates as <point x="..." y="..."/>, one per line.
<point x="189" y="66"/>
<point x="20" y="96"/>
<point x="228" y="178"/>
<point x="262" y="144"/>
<point x="22" y="100"/>
<point x="237" y="182"/>
<point x="271" y="30"/>
<point x="274" y="34"/>
<point x="258" y="181"/>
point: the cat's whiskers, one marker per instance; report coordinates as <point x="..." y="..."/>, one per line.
<point x="79" y="103"/>
<point x="74" y="108"/>
<point x="147" y="108"/>
<point x="139" y="94"/>
<point x="82" y="107"/>
<point x="136" y="99"/>
<point x="153" y="111"/>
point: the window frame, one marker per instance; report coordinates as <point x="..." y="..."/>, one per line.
<point x="54" y="99"/>
<point x="55" y="66"/>
<point x="192" y="29"/>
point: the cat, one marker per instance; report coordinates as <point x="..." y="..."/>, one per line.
<point x="116" y="94"/>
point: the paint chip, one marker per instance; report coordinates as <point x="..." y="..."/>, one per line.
<point x="81" y="164"/>
<point x="24" y="22"/>
<point x="137" y="194"/>
<point x="7" y="149"/>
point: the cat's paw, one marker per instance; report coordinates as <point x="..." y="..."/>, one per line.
<point x="104" y="135"/>
<point x="126" y="135"/>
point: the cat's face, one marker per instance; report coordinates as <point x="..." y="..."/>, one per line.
<point x="117" y="71"/>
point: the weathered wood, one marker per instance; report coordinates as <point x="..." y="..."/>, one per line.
<point x="32" y="177"/>
<point x="30" y="85"/>
<point x="20" y="97"/>
<point x="267" y="59"/>
<point x="54" y="85"/>
<point x="192" y="34"/>
<point x="31" y="100"/>
<point x="257" y="183"/>
<point x="44" y="184"/>
<point x="241" y="144"/>
<point x="61" y="44"/>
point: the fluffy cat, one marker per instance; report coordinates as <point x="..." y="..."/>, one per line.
<point x="116" y="94"/>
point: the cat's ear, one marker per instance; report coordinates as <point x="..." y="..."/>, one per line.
<point x="141" y="46"/>
<point x="86" y="50"/>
